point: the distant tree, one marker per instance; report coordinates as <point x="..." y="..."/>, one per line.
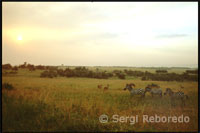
<point x="192" y="71"/>
<point x="31" y="67"/>
<point x="143" y="78"/>
<point x="121" y="76"/>
<point x="40" y="67"/>
<point x="15" y="68"/>
<point x="161" y="71"/>
<point x="6" y="66"/>
<point x="25" y="63"/>
<point x="44" y="74"/>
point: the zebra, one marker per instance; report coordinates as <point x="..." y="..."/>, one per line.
<point x="135" y="91"/>
<point x="155" y="91"/>
<point x="176" y="95"/>
<point x="132" y="84"/>
<point x="153" y="85"/>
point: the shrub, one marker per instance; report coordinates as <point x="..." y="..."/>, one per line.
<point x="49" y="74"/>
<point x="40" y="67"/>
<point x="15" y="68"/>
<point x="144" y="78"/>
<point x="6" y="66"/>
<point x="44" y="74"/>
<point x="121" y="76"/>
<point x="192" y="71"/>
<point x="161" y="71"/>
<point x="31" y="67"/>
<point x="134" y="73"/>
<point x="7" y="86"/>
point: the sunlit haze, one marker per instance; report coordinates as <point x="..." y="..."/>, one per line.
<point x="140" y="34"/>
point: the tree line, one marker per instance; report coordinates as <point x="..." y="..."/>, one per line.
<point x="52" y="71"/>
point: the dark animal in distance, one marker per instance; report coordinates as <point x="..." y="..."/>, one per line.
<point x="99" y="86"/>
<point x="153" y="86"/>
<point x="106" y="87"/>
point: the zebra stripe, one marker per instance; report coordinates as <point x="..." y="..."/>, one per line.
<point x="134" y="91"/>
<point x="137" y="91"/>
<point x="178" y="94"/>
<point x="156" y="91"/>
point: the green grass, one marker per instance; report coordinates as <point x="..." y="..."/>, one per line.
<point x="74" y="104"/>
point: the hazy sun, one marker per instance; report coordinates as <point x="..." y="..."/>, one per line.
<point x="19" y="37"/>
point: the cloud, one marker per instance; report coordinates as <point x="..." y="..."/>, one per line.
<point x="172" y="36"/>
<point x="93" y="32"/>
<point x="63" y="16"/>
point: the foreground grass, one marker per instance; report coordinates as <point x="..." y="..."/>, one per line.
<point x="75" y="104"/>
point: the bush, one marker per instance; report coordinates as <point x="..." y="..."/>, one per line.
<point x="121" y="76"/>
<point x="134" y="73"/>
<point x="144" y="78"/>
<point x="192" y="71"/>
<point x="7" y="86"/>
<point x="6" y="66"/>
<point x="31" y="67"/>
<point x="40" y="67"/>
<point x="15" y="68"/>
<point x="49" y="74"/>
<point x="161" y="71"/>
<point x="83" y="72"/>
<point x="44" y="74"/>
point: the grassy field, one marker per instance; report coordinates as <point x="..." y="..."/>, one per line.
<point x="75" y="104"/>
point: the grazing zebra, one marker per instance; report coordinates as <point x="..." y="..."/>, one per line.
<point x="132" y="84"/>
<point x="153" y="86"/>
<point x="176" y="95"/>
<point x="106" y="87"/>
<point x="99" y="86"/>
<point x="135" y="91"/>
<point x="155" y="91"/>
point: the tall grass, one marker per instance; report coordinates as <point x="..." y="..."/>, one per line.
<point x="75" y="104"/>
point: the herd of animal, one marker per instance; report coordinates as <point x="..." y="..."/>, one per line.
<point x="154" y="90"/>
<point x="104" y="88"/>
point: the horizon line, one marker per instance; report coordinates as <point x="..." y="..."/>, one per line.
<point x="195" y="66"/>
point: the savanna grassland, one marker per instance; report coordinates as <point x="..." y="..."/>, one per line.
<point x="75" y="104"/>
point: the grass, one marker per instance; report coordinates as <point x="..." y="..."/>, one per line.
<point x="75" y="104"/>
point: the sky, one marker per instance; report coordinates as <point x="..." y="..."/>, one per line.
<point x="138" y="34"/>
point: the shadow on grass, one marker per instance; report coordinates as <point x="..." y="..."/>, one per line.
<point x="20" y="115"/>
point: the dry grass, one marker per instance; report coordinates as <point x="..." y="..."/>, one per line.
<point x="74" y="104"/>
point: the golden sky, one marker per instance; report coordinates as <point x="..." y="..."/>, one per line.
<point x="101" y="33"/>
